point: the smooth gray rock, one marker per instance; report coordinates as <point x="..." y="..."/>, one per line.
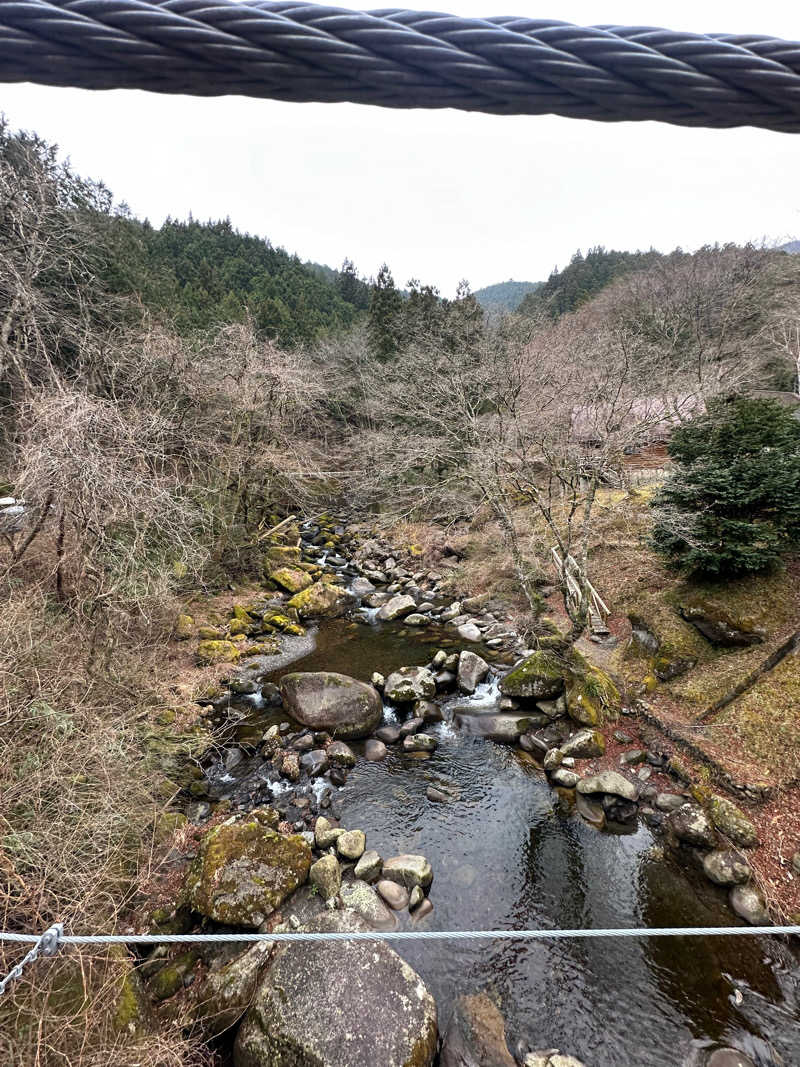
<point x="361" y="587"/>
<point x="669" y="801"/>
<point x="325" y="700"/>
<point x="388" y="734"/>
<point x="725" y="867"/>
<point x="472" y="669"/>
<point x="369" y="866"/>
<point x="504" y="728"/>
<point x="396" y="896"/>
<point x="396" y="608"/>
<point x="338" y="1004"/>
<point x="585" y="744"/>
<point x="468" y="631"/>
<point x="748" y="903"/>
<point x="728" y="1057"/>
<point x="419" y="743"/>
<point x="408" y="870"/>
<point x="375" y="751"/>
<point x="361" y="898"/>
<point x="565" y="778"/>
<point x="351" y="845"/>
<point x="608" y="782"/>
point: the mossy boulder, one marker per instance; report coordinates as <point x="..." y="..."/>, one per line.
<point x="167" y="823"/>
<point x="476" y="1035"/>
<point x="184" y="627"/>
<point x="166" y="982"/>
<point x="132" y="1012"/>
<point x="721" y="626"/>
<point x="240" y="612"/>
<point x="240" y="626"/>
<point x="325" y="700"/>
<point x="674" y="645"/>
<point x="338" y="1004"/>
<point x="210" y="633"/>
<point x="581" y="707"/>
<point x="292" y="579"/>
<point x="320" y="600"/>
<point x="244" y="870"/>
<point x="278" y="556"/>
<point x="224" y="995"/>
<point x="732" y="822"/>
<point x="277" y="620"/>
<point x="209" y="652"/>
<point x="539" y="677"/>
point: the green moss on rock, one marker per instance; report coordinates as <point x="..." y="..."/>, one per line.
<point x="539" y="677"/>
<point x="184" y="627"/>
<point x="244" y="870"/>
<point x="278" y="556"/>
<point x="166" y="982"/>
<point x="322" y="599"/>
<point x="210" y="652"/>
<point x="732" y="822"/>
<point x="292" y="579"/>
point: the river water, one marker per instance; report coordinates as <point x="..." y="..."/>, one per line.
<point x="510" y="853"/>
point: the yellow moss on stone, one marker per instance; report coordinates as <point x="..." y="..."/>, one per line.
<point x="210" y="652"/>
<point x="184" y="627"/>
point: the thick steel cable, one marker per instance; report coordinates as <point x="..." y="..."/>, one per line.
<point x="291" y="50"/>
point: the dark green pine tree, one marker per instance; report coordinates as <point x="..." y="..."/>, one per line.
<point x="385" y="315"/>
<point x="733" y="506"/>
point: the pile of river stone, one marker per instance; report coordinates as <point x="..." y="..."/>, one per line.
<point x="332" y="1003"/>
<point x="398" y="594"/>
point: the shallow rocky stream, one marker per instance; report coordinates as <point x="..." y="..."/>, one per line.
<point x="509" y="852"/>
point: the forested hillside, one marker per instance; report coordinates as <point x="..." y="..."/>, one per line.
<point x="202" y="274"/>
<point x="584" y="277"/>
<point x="504" y="296"/>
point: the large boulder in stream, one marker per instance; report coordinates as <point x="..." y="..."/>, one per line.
<point x="409" y="684"/>
<point x="338" y="1004"/>
<point x="503" y="728"/>
<point x="539" y="677"/>
<point x="320" y="600"/>
<point x="396" y="608"/>
<point x="244" y="870"/>
<point x="475" y="1035"/>
<point x="324" y="700"/>
<point x="472" y="669"/>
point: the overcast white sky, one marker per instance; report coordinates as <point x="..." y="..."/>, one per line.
<point x="441" y="195"/>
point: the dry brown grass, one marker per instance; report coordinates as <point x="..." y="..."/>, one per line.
<point x="82" y="786"/>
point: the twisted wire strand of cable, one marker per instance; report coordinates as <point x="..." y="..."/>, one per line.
<point x="394" y="57"/>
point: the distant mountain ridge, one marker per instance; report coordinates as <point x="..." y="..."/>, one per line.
<point x="790" y="246"/>
<point x="505" y="296"/>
